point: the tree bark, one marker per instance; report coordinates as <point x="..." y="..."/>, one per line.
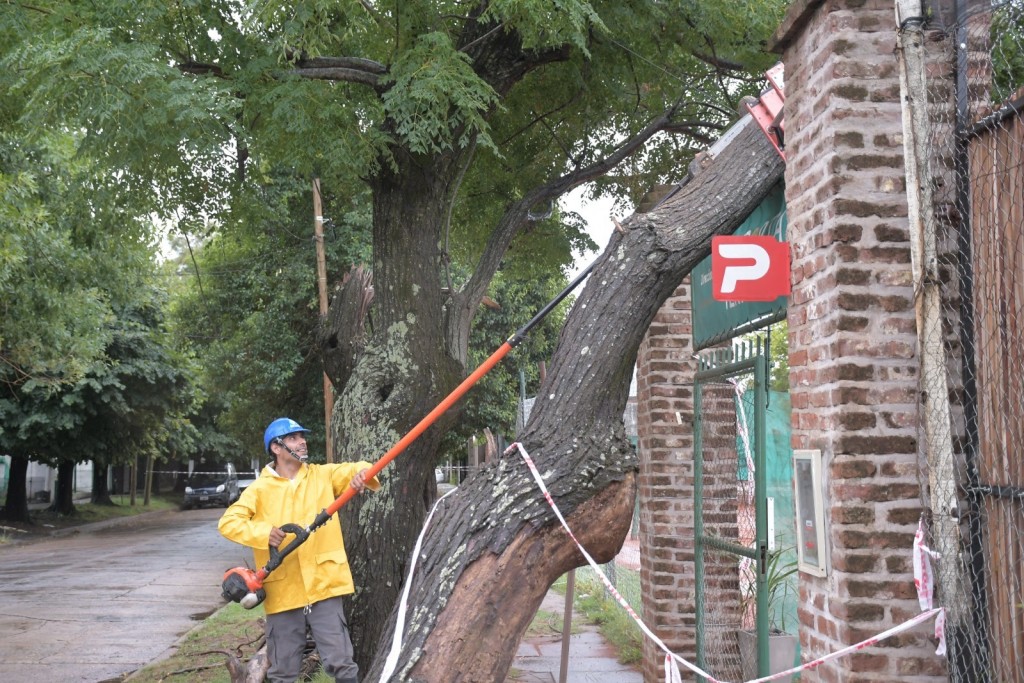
<point x="134" y="477"/>
<point x="149" y="479"/>
<point x="404" y="370"/>
<point x="343" y="332"/>
<point x="16" y="506"/>
<point x="495" y="546"/>
<point x="63" y="502"/>
<point x="100" y="490"/>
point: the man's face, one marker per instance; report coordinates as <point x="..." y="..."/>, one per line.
<point x="296" y="443"/>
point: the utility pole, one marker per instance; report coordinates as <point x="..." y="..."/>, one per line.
<point x="321" y="279"/>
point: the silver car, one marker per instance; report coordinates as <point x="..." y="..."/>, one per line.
<point x="205" y="489"/>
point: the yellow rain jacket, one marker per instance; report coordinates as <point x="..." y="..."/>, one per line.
<point x="317" y="569"/>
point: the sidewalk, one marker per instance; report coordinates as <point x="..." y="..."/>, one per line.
<point x="591" y="658"/>
<point x="79" y="498"/>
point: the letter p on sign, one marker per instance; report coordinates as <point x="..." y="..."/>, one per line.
<point x="749" y="268"/>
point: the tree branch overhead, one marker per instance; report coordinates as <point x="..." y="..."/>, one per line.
<point x="575" y="435"/>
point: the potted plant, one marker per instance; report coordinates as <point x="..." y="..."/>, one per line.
<point x="781" y="578"/>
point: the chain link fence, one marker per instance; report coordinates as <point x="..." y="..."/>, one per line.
<point x="727" y="513"/>
<point x="973" y="375"/>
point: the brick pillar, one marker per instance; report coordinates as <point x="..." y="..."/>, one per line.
<point x="665" y="384"/>
<point x="665" y="369"/>
<point x="853" y="364"/>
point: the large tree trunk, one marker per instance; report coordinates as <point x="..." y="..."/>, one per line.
<point x="16" y="506"/>
<point x="100" y="490"/>
<point x="417" y="350"/>
<point x="404" y="370"/>
<point x="495" y="548"/>
<point x="64" y="501"/>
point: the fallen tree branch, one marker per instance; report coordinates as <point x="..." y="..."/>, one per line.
<point x="495" y="547"/>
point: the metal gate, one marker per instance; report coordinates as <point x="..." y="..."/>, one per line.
<point x="731" y="516"/>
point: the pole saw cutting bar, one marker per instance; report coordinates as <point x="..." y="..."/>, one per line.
<point x="253" y="580"/>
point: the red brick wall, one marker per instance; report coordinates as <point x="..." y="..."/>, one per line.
<point x="665" y="370"/>
<point x="853" y="365"/>
<point x="852" y="360"/>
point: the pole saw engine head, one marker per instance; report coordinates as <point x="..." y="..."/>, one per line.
<point x="243" y="585"/>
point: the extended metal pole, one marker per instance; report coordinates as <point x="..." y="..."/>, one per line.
<point x="422" y="425"/>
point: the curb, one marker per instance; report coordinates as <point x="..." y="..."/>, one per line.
<point x="171" y="650"/>
<point x="43" y="534"/>
<point x="108" y="523"/>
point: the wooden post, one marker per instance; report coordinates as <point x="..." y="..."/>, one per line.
<point x="149" y="480"/>
<point x="321" y="279"/>
<point x="133" y="474"/>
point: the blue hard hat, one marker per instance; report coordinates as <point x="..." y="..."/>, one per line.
<point x="280" y="427"/>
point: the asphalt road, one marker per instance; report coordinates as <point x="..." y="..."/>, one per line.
<point x="99" y="603"/>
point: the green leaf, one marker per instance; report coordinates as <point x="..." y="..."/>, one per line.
<point x="435" y="98"/>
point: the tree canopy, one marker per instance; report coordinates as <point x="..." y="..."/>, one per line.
<point x="463" y="123"/>
<point x="248" y="309"/>
<point x="75" y="268"/>
<point x="69" y="253"/>
<point x="184" y="97"/>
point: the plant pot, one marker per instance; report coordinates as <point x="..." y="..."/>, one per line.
<point x="781" y="654"/>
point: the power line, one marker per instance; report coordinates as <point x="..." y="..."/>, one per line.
<point x="648" y="61"/>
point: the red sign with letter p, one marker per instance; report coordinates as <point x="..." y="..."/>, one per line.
<point x="749" y="268"/>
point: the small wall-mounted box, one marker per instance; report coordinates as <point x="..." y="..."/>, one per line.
<point x="810" y="512"/>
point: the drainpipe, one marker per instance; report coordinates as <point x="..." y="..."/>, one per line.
<point x="912" y="58"/>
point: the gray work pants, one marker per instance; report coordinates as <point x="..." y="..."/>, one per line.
<point x="286" y="641"/>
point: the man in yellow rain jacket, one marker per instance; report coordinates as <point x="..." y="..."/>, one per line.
<point x="307" y="588"/>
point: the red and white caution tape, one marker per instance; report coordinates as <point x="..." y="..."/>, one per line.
<point x="607" y="584"/>
<point x="672" y="674"/>
<point x="900" y="628"/>
<point x="391" y="663"/>
<point x="924" y="582"/>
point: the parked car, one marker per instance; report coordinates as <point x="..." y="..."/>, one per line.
<point x="211" y="489"/>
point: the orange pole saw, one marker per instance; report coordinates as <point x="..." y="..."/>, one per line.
<point x="245" y="586"/>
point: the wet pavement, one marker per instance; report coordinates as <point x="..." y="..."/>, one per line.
<point x="94" y="604"/>
<point x="591" y="658"/>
